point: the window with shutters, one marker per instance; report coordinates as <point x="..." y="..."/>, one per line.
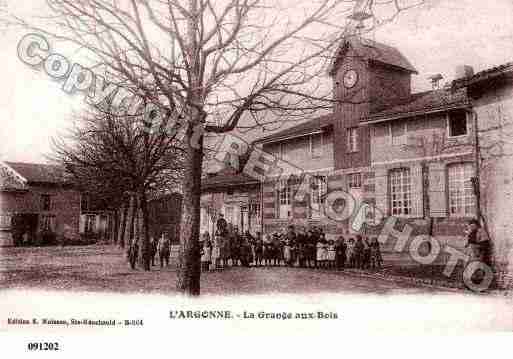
<point x="316" y="145"/>
<point x="401" y="192"/>
<point x="398" y="133"/>
<point x="462" y="200"/>
<point x="285" y="150"/>
<point x="352" y="139"/>
<point x="318" y="190"/>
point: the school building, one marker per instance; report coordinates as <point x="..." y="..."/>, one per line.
<point x="413" y="156"/>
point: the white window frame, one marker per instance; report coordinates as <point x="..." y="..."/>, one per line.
<point x="5" y="221"/>
<point x="353" y="141"/>
<point x="404" y="137"/>
<point x="255" y="209"/>
<point x="284" y="199"/>
<point x="448" y="125"/>
<point x="355" y="180"/>
<point x="90" y="226"/>
<point x="229" y="213"/>
<point x="461" y="190"/>
<point x="397" y="206"/>
<point x="321" y="149"/>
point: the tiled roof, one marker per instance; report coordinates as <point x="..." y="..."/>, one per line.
<point x="304" y="128"/>
<point x="421" y="103"/>
<point x="375" y="52"/>
<point x="223" y="180"/>
<point x="39" y="173"/>
<point x="485" y="75"/>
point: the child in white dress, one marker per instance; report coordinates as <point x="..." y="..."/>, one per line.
<point x="332" y="252"/>
<point x="206" y="255"/>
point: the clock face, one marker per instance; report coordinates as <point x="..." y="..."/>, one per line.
<point x="350" y="78"/>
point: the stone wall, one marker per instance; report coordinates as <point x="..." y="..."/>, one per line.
<point x="493" y="106"/>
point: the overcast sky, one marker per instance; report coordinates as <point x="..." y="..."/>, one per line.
<point x="435" y="39"/>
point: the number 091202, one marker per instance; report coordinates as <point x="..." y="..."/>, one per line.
<point x="43" y="346"/>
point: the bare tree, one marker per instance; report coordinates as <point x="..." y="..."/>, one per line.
<point x="122" y="162"/>
<point x="229" y="62"/>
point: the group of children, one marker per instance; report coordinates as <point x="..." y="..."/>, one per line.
<point x="306" y="249"/>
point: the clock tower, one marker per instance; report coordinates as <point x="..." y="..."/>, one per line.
<point x="367" y="76"/>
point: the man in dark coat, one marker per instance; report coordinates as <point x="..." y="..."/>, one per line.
<point x="133" y="252"/>
<point x="222" y="225"/>
<point x="291" y="239"/>
<point x="301" y="248"/>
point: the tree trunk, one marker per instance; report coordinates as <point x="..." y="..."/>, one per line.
<point x="115" y="226"/>
<point x="189" y="269"/>
<point x="132" y="213"/>
<point x="143" y="221"/>
<point x="122" y="225"/>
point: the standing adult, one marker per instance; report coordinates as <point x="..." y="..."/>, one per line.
<point x="164" y="249"/>
<point x="153" y="248"/>
<point x="341" y="253"/>
<point x="301" y="248"/>
<point x="277" y="249"/>
<point x="478" y="242"/>
<point x="133" y="252"/>
<point x="217" y="250"/>
<point x="311" y="249"/>
<point x="222" y="225"/>
<point x="226" y="252"/>
<point x="258" y="249"/>
<point x="291" y="238"/>
<point x="480" y="248"/>
<point x="366" y="254"/>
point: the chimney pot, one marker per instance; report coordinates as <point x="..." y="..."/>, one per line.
<point x="435" y="80"/>
<point x="464" y="71"/>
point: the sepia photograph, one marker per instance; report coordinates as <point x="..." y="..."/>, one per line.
<point x="342" y="163"/>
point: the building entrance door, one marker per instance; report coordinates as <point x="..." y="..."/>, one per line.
<point x="24" y="228"/>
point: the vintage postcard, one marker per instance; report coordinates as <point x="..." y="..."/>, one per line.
<point x="178" y="169"/>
